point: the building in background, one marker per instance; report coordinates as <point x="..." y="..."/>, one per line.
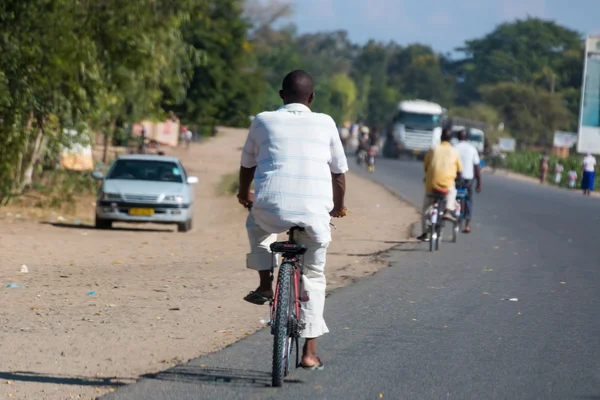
<point x="589" y="119"/>
<point x="165" y="132"/>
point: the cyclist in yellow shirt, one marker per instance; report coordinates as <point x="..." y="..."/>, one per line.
<point x="442" y="168"/>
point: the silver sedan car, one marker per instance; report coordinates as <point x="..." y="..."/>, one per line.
<point x="145" y="188"/>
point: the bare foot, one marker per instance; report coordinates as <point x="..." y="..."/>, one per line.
<point x="310" y="361"/>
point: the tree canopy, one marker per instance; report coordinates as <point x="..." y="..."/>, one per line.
<point x="97" y="66"/>
<point x="531" y="66"/>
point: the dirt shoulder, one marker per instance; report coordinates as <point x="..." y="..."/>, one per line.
<point x="100" y="308"/>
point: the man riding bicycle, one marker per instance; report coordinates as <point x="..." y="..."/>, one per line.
<point x="442" y="167"/>
<point x="469" y="158"/>
<point x="297" y="162"/>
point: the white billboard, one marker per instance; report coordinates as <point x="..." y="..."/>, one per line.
<point x="589" y="118"/>
<point x="564" y="139"/>
<point x="507" y="144"/>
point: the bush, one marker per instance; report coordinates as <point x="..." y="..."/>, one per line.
<point x="57" y="189"/>
<point x="229" y="185"/>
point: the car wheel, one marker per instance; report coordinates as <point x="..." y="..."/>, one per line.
<point x="184" y="226"/>
<point x="102" y="223"/>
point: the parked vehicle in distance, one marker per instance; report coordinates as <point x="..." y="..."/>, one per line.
<point x="145" y="188"/>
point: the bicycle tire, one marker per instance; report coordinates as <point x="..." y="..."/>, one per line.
<point x="439" y="237"/>
<point x="293" y="319"/>
<point x="455" y="229"/>
<point x="432" y="237"/>
<point x="281" y="323"/>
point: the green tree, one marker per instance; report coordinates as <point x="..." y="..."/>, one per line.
<point x="68" y="64"/>
<point x="531" y="114"/>
<point x="337" y="97"/>
<point x="526" y="51"/>
<point x="417" y="72"/>
<point x="226" y="88"/>
<point x="377" y="98"/>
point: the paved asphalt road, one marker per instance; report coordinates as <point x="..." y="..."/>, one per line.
<point x="434" y="325"/>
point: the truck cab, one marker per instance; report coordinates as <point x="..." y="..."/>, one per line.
<point x="416" y="127"/>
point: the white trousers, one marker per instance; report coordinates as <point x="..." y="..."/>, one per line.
<point x="428" y="202"/>
<point x="260" y="258"/>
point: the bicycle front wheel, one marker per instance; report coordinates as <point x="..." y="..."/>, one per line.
<point x="282" y="340"/>
<point x="455" y="229"/>
<point x="432" y="237"/>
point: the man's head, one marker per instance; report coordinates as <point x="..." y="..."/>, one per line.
<point x="446" y="135"/>
<point x="462" y="135"/>
<point x="297" y="87"/>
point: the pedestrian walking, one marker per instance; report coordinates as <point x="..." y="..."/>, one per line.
<point x="558" y="170"/>
<point x="572" y="178"/>
<point x="188" y="138"/>
<point x="588" y="173"/>
<point x="544" y="167"/>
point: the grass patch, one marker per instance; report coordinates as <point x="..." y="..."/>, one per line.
<point x="229" y="185"/>
<point x="62" y="191"/>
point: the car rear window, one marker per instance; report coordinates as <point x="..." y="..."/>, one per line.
<point x="146" y="170"/>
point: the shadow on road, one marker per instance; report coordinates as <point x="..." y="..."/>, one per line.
<point x="64" y="380"/>
<point x="232" y="377"/>
<point x="91" y="227"/>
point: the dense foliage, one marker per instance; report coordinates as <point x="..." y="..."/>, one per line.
<point x="97" y="66"/>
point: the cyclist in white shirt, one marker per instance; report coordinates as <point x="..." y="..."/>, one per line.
<point x="297" y="162"/>
<point x="469" y="158"/>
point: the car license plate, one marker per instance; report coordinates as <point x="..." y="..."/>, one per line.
<point x="145" y="212"/>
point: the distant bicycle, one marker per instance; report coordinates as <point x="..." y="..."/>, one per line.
<point x="436" y="220"/>
<point x="459" y="213"/>
<point x="370" y="158"/>
<point x="361" y="156"/>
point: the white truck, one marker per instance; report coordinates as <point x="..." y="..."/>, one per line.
<point x="475" y="136"/>
<point x="416" y="127"/>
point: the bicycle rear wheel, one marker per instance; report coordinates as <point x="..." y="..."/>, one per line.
<point x="432" y="237"/>
<point x="455" y="229"/>
<point x="282" y="341"/>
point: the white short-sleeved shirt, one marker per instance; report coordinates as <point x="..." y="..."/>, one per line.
<point x="469" y="157"/>
<point x="589" y="163"/>
<point x="294" y="151"/>
<point x="572" y="175"/>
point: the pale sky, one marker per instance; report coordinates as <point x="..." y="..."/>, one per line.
<point x="443" y="24"/>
